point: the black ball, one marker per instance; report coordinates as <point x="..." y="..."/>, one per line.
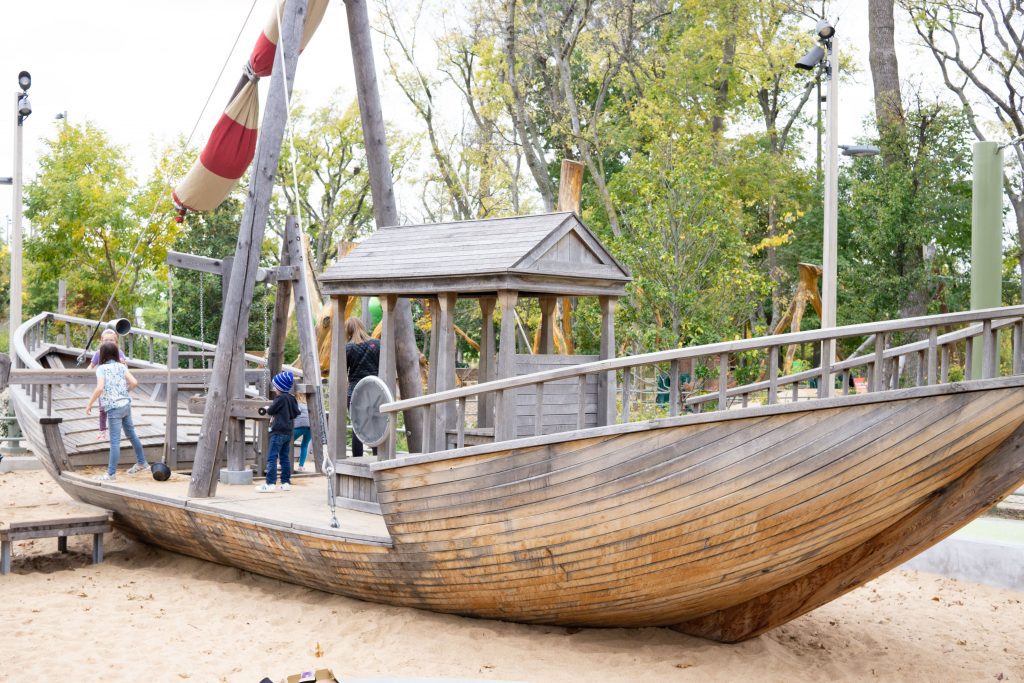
<point x="161" y="472"/>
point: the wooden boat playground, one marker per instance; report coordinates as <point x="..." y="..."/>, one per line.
<point x="552" y="491"/>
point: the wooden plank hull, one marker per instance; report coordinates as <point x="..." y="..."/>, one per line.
<point x="723" y="527"/>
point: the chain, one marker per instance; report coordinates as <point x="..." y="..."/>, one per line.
<point x="202" y="315"/>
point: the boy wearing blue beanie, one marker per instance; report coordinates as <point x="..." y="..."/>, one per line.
<point x="283" y="411"/>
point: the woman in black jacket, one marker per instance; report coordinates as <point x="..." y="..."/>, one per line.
<point x="362" y="354"/>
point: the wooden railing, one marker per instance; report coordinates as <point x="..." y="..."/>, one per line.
<point x="934" y="346"/>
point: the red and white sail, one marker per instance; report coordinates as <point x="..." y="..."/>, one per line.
<point x="232" y="144"/>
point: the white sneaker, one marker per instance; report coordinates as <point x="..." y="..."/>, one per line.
<point x="265" y="488"/>
<point x="105" y="477"/>
<point x="285" y="487"/>
<point x="136" y="468"/>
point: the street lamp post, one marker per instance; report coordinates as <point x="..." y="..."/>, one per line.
<point x="22" y="110"/>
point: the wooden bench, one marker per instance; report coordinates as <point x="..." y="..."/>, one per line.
<point x="56" y="520"/>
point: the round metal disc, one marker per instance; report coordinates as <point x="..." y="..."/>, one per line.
<point x="368" y="423"/>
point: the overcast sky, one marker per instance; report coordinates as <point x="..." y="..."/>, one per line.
<point x="142" y="70"/>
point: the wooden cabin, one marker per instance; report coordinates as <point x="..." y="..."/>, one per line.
<point x="497" y="262"/>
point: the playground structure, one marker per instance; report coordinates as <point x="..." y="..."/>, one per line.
<point x="727" y="514"/>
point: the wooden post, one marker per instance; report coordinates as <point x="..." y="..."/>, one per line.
<point x="570" y="193"/>
<point x="62" y="308"/>
<point x="384" y="208"/>
<point x="235" y="321"/>
<point x="171" y="426"/>
<point x="308" y="351"/>
<point x="225" y="277"/>
<point x="606" y="380"/>
<point x="547" y="325"/>
<point x="338" y="382"/>
<point x="282" y="299"/>
<point x="388" y="368"/>
<point x="485" y="404"/>
<point x="444" y="367"/>
<point x="505" y="408"/>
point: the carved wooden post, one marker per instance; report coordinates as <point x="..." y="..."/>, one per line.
<point x="235" y="321"/>
<point x="338" y="382"/>
<point x="388" y="370"/>
<point x="505" y="407"/>
<point x="606" y="380"/>
<point x="485" y="404"/>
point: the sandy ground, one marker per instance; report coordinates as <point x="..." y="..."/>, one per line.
<point x="149" y="615"/>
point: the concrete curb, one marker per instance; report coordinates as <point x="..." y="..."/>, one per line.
<point x="16" y="463"/>
<point x="988" y="551"/>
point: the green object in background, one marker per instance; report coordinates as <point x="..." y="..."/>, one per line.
<point x="376" y="313"/>
<point x="664" y="385"/>
<point x="986" y="234"/>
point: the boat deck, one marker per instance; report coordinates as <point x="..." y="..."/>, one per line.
<point x="304" y="508"/>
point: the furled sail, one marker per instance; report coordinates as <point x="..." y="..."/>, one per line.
<point x="232" y="144"/>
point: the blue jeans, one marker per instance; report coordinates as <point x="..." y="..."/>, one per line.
<point x="304" y="446"/>
<point x="280" y="449"/>
<point x="116" y="419"/>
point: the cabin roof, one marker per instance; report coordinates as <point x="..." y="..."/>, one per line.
<point x="552" y="253"/>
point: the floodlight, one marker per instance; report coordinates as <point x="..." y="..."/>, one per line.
<point x="824" y="29"/>
<point x="24" y="106"/>
<point x="25" y="80"/>
<point x="812" y="59"/>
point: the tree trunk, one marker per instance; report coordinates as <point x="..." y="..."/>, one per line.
<point x="384" y="208"/>
<point x="885" y="73"/>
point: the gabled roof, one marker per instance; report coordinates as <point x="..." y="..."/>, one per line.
<point x="546" y="253"/>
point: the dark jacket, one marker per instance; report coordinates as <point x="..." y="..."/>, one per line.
<point x="283" y="411"/>
<point x="363" y="360"/>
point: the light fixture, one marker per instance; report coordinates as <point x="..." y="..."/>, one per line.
<point x="24" y="106"/>
<point x="859" y="150"/>
<point x="25" y="80"/>
<point x="6" y="180"/>
<point x="824" y="29"/>
<point x="812" y="59"/>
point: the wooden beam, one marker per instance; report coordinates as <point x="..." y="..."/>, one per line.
<point x="338" y="382"/>
<point x="235" y="320"/>
<point x="606" y="380"/>
<point x="547" y="325"/>
<point x="171" y="425"/>
<point x="385" y="209"/>
<point x="504" y="406"/>
<point x="444" y="365"/>
<point x="485" y="403"/>
<point x="223" y="267"/>
<point x="307" y="340"/>
<point x="279" y="323"/>
<point x="388" y="367"/>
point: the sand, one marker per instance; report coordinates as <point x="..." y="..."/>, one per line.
<point x="149" y="615"/>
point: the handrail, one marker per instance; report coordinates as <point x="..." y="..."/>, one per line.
<point x="779" y="340"/>
<point x="855" y="362"/>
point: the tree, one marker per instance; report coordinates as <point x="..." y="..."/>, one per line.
<point x="979" y="48"/>
<point x="94" y="225"/>
<point x="333" y="187"/>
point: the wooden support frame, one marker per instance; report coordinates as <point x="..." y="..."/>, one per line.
<point x="235" y="321"/>
<point x="606" y="380"/>
<point x="443" y="364"/>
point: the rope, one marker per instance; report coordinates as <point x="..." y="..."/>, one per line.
<point x="156" y="202"/>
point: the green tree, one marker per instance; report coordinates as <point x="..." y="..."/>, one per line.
<point x="94" y="226"/>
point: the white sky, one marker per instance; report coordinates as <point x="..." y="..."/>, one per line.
<point x="142" y="70"/>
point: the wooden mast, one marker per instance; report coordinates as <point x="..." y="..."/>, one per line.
<point x="384" y="208"/>
<point x="234" y="325"/>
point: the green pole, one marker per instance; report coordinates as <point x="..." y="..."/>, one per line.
<point x="986" y="234"/>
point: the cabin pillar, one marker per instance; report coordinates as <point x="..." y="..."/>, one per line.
<point x="505" y="409"/>
<point x="485" y="406"/>
<point x="606" y="380"/>
<point x="547" y="325"/>
<point x="444" y="368"/>
<point x="388" y="368"/>
<point x="337" y="382"/>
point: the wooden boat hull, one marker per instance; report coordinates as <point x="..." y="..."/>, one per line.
<point x="722" y="526"/>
